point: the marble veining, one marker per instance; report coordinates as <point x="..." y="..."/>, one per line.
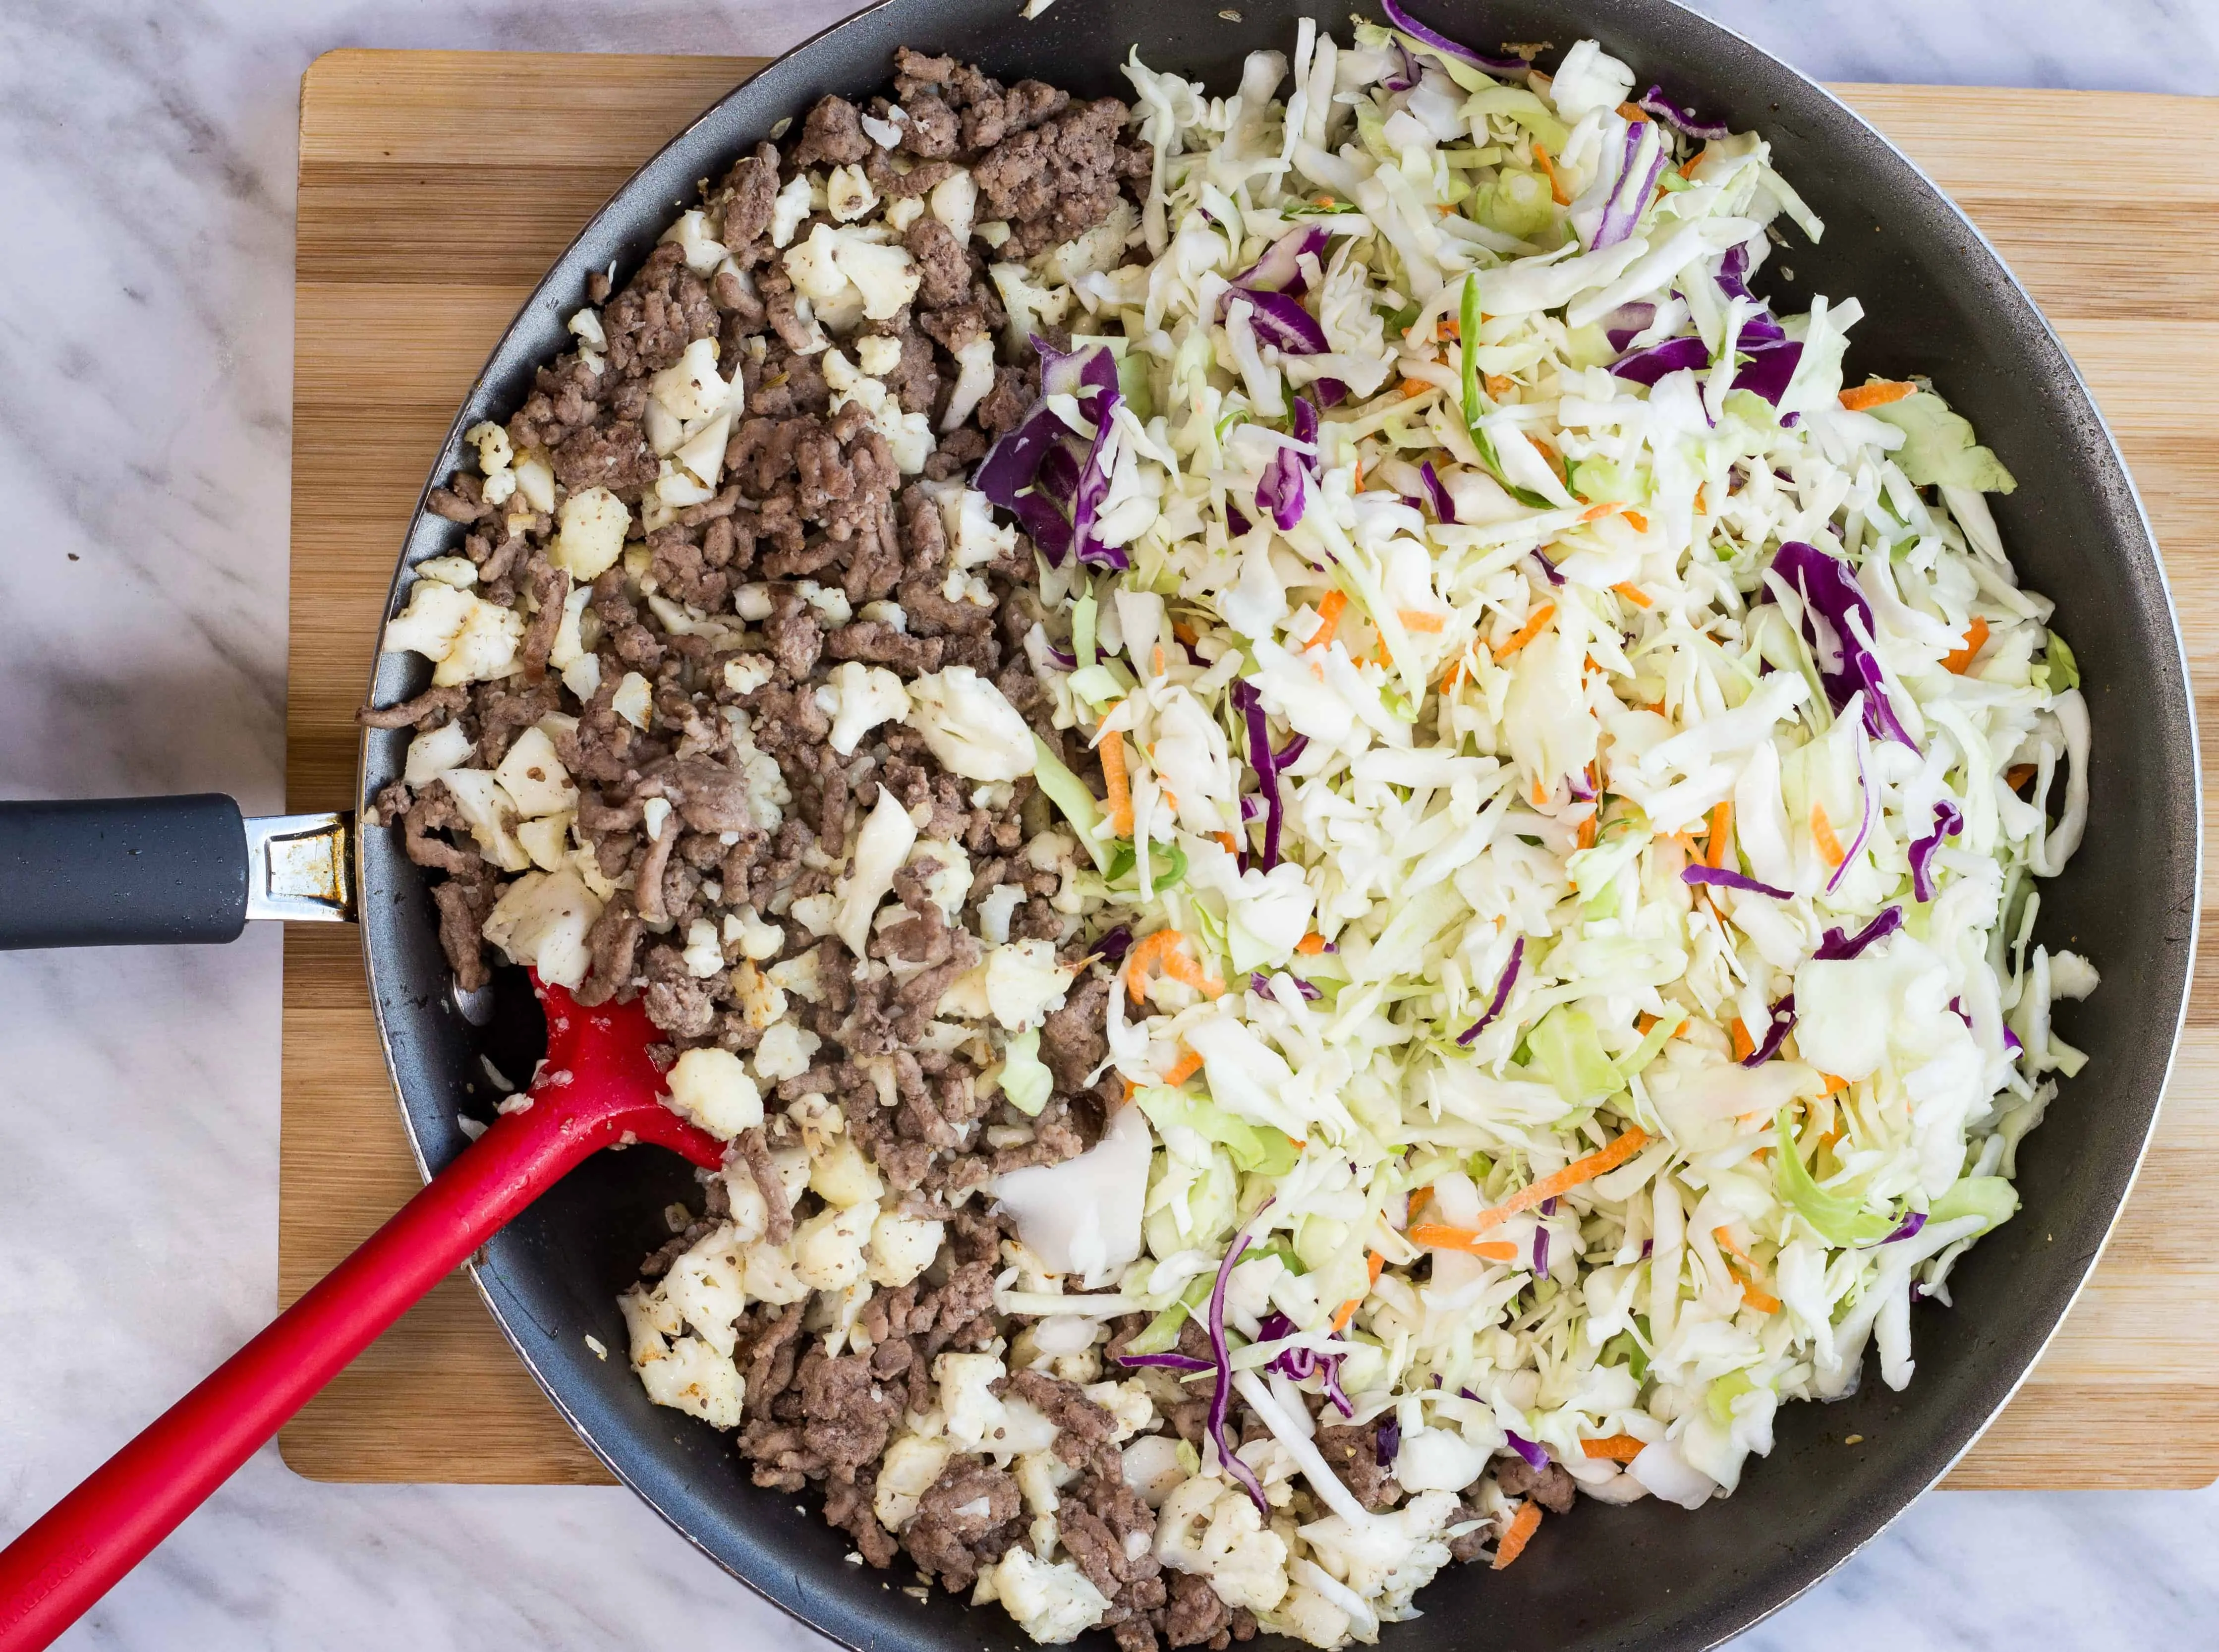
<point x="146" y="160"/>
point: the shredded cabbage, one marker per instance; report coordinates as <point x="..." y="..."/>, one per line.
<point x="1557" y="738"/>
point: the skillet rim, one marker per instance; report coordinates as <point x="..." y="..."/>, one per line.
<point x="2067" y="397"/>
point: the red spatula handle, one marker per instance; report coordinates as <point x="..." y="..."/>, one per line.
<point x="79" y="1549"/>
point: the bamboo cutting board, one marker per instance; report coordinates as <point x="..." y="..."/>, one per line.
<point x="435" y="187"/>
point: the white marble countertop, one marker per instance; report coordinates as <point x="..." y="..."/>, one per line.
<point x="146" y="165"/>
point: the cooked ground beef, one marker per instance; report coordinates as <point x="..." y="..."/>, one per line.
<point x="690" y="696"/>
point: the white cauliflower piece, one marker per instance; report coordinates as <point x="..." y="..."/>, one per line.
<point x="849" y="195"/>
<point x="1024" y="983"/>
<point x="1309" y="1616"/>
<point x="703" y="955"/>
<point x="535" y="481"/>
<point x="797" y="977"/>
<point x="431" y="622"/>
<point x="492" y="442"/>
<point x="841" y="1175"/>
<point x="634" y="700"/>
<point x="771" y="1277"/>
<point x="974" y="377"/>
<point x="433" y="752"/>
<point x="457" y="571"/>
<point x="878" y="354"/>
<point x="484" y="649"/>
<point x="683" y="1373"/>
<point x="590" y="533"/>
<point x="1052" y="1601"/>
<point x="790" y="210"/>
<point x="542" y="920"/>
<point x="1152" y="1468"/>
<point x="812" y="268"/>
<point x="534" y="778"/>
<point x="970" y="727"/>
<point x="858" y="699"/>
<point x="968" y="515"/>
<point x="703" y="250"/>
<point x="881" y="849"/>
<point x="828" y="1248"/>
<point x="1031" y="307"/>
<point x="1392" y="1556"/>
<point x="708" y="1287"/>
<point x="691" y="387"/>
<point x="486" y="810"/>
<point x="711" y="1087"/>
<point x="749" y="671"/>
<point x="966" y="1400"/>
<point x="901" y="1248"/>
<point x="785" y="1049"/>
<point x="1129" y="1406"/>
<point x="756" y="939"/>
<point x="906" y="1474"/>
<point x="1438" y="1459"/>
<point x="954" y="201"/>
<point x="1209" y="1528"/>
<point x="761" y="1001"/>
<point x="886" y="276"/>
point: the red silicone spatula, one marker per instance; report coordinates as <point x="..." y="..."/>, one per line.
<point x="596" y="1089"/>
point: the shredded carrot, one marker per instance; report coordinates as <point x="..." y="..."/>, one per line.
<point x="1499" y="385"/>
<point x="1187" y="972"/>
<point x="1687" y="166"/>
<point x="1618" y="1448"/>
<point x="1833" y="1083"/>
<point x="1549" y="170"/>
<point x="1131" y="1089"/>
<point x="1449" y="328"/>
<point x="1414" y="387"/>
<point x="1120" y="795"/>
<point x="2018" y="775"/>
<point x="1556" y="461"/>
<point x="1311" y="944"/>
<point x="1632" y="112"/>
<point x="1184" y="1068"/>
<point x="1588" y="833"/>
<point x="1744" y="1045"/>
<point x="1185" y="633"/>
<point x="1876" y="393"/>
<point x="1145" y="952"/>
<point x="1701" y="508"/>
<point x="1452" y="676"/>
<point x="1960" y="660"/>
<point x="1540" y="795"/>
<point x="1156" y="659"/>
<point x="1329" y="612"/>
<point x="1527" y="1520"/>
<point x="1640" y="522"/>
<point x="1525" y="633"/>
<point x="1359" y="474"/>
<point x="1724" y="1235"/>
<point x="1688" y="846"/>
<point x="1578" y="1173"/>
<point x="1632" y="593"/>
<point x="1763" y="1300"/>
<point x="1347" y="1310"/>
<point x="1225" y="840"/>
<point x="1417" y="620"/>
<point x="1596" y="512"/>
<point x="1822" y="832"/>
<point x="1721" y="834"/>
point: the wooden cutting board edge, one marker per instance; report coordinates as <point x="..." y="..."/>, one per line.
<point x="441" y="1397"/>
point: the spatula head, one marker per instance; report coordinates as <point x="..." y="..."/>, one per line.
<point x="599" y="1077"/>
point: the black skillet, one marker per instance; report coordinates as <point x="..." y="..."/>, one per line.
<point x="1938" y="301"/>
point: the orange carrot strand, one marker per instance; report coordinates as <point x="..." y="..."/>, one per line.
<point x="1615" y="1448"/>
<point x="1876" y="393"/>
<point x="1523" y="1525"/>
<point x="1525" y="633"/>
<point x="1960" y="660"/>
<point x="1721" y="836"/>
<point x="1329" y="612"/>
<point x="1822" y="833"/>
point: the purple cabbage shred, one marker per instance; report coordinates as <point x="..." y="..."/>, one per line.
<point x="1725" y="879"/>
<point x="1837" y="945"/>
<point x="1782" y="1024"/>
<point x="1949" y="821"/>
<point x="1680" y="117"/>
<point x="1831" y="601"/>
<point x="1501" y="993"/>
<point x="1536" y="1455"/>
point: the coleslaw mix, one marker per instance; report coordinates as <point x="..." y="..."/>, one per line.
<point x="1575" y="775"/>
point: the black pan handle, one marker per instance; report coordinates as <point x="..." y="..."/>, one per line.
<point x="123" y="871"/>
